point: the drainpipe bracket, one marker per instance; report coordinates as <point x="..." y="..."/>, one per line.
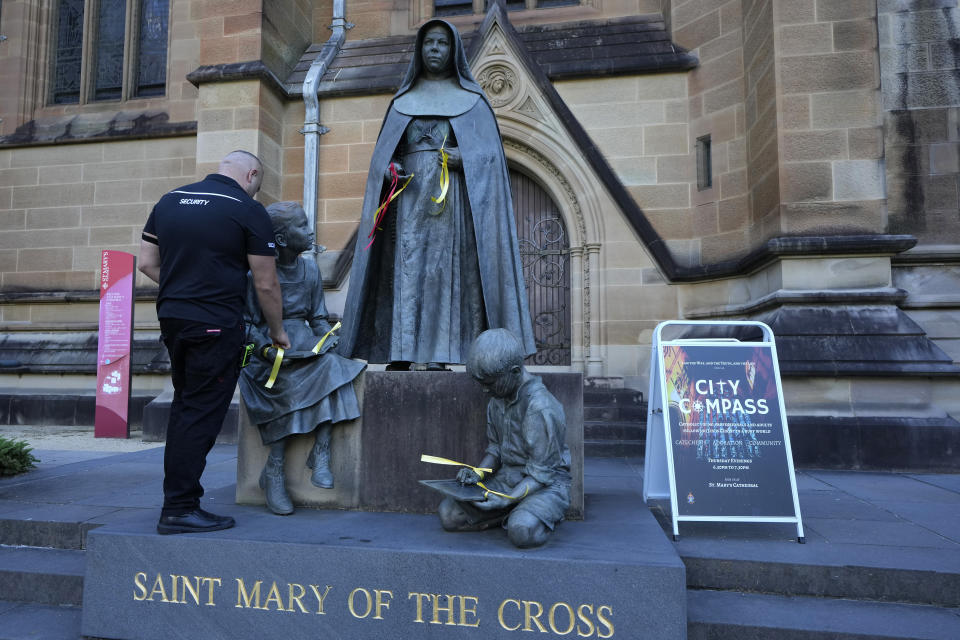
<point x="314" y="128"/>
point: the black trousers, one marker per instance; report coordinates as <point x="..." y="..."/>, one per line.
<point x="205" y="365"/>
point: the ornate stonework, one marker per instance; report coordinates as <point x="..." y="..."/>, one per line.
<point x="500" y="83"/>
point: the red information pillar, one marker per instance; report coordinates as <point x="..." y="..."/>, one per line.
<point x="115" y="344"/>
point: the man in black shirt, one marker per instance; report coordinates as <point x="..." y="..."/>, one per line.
<point x="198" y="244"/>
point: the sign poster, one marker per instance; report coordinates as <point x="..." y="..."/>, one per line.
<point x="114" y="345"/>
<point x="726" y="431"/>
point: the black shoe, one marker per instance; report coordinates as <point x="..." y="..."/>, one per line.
<point x="437" y="366"/>
<point x="398" y="365"/>
<point x="203" y="513"/>
<point x="197" y="521"/>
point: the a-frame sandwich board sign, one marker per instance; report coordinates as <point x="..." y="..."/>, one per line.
<point x="717" y="440"/>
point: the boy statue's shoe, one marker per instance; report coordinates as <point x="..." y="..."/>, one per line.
<point x="197" y="521"/>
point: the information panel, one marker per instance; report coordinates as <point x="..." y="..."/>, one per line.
<point x="114" y="345"/>
<point x="717" y="439"/>
<point x="726" y="432"/>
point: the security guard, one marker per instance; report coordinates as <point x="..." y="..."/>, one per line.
<point x="198" y="244"/>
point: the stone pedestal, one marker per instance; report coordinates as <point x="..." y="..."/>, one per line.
<point x="373" y="576"/>
<point x="376" y="459"/>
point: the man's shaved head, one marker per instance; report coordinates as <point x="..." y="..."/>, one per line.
<point x="245" y="168"/>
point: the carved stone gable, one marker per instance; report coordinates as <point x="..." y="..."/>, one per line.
<point x="512" y="92"/>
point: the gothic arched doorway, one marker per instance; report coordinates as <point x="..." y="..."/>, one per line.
<point x="545" y="255"/>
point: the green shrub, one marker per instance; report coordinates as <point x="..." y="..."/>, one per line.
<point x="15" y="457"/>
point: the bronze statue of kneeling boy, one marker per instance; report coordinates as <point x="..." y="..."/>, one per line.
<point x="528" y="490"/>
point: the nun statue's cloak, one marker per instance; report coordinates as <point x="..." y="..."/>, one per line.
<point x="433" y="276"/>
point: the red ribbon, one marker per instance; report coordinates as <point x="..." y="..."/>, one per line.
<point x="381" y="211"/>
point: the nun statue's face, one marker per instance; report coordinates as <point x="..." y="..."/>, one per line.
<point x="436" y="51"/>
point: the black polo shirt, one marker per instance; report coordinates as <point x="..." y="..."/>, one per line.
<point x="205" y="231"/>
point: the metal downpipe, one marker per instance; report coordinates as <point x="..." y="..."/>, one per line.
<point x="312" y="129"/>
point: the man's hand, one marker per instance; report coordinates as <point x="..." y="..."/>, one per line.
<point x="280" y="339"/>
<point x="467" y="475"/>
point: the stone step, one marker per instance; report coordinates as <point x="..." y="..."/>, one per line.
<point x="62" y="409"/>
<point x="42" y="576"/>
<point x="917" y="575"/>
<point x="728" y="615"/>
<point x="40" y="533"/>
<point x="50" y="622"/>
<point x="636" y="412"/>
<point x="620" y="430"/>
<point x="613" y="448"/>
<point x="593" y="397"/>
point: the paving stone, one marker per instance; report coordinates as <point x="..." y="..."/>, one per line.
<point x="871" y="532"/>
<point x="719" y="616"/>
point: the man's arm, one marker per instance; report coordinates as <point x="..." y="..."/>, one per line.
<point x="150" y="260"/>
<point x="264" y="270"/>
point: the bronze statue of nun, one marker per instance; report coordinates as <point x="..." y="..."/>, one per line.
<point x="439" y="264"/>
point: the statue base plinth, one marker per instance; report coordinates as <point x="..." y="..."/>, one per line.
<point x="376" y="458"/>
<point x="380" y="576"/>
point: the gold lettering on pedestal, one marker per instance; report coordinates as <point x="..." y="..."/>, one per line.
<point x="180" y="586"/>
<point x="185" y="586"/>
<point x="248" y="600"/>
<point x="605" y="622"/>
<point x="139" y="583"/>
<point x="455" y="607"/>
<point x="500" y="614"/>
<point x="209" y="582"/>
<point x="158" y="588"/>
<point x="535" y="618"/>
<point x="381" y="603"/>
<point x="350" y="603"/>
<point x="273" y="595"/>
<point x="585" y="620"/>
<point x="293" y="586"/>
<point x="552" y="618"/>
<point x="435" y="597"/>
<point x="320" y="598"/>
<point x="420" y="598"/>
<point x="464" y="610"/>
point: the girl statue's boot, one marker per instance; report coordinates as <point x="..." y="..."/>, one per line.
<point x="319" y="459"/>
<point x="274" y="485"/>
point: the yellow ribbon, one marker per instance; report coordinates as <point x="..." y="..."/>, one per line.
<point x="502" y="495"/>
<point x="479" y="470"/>
<point x="316" y="349"/>
<point x="276" y="368"/>
<point x="444" y="179"/>
<point x="437" y="460"/>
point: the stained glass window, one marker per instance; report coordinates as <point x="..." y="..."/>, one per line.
<point x="91" y="62"/>
<point x="111" y="22"/>
<point x="69" y="47"/>
<point x="452" y="7"/>
<point x="152" y="54"/>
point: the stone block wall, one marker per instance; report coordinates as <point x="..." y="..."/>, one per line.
<point x="830" y="139"/>
<point x="287" y="30"/>
<point x="640" y="125"/>
<point x="720" y="212"/>
<point x="920" y="68"/>
<point x="345" y="153"/>
<point x="61" y="205"/>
